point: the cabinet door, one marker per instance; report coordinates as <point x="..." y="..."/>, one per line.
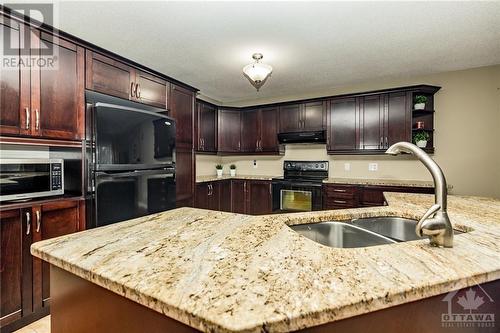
<point x="12" y="235"/>
<point x="371" y="122"/>
<point x="108" y="76"/>
<point x="313" y="116"/>
<point x="213" y="196"/>
<point x="290" y="118"/>
<point x="57" y="95"/>
<point x="229" y="131"/>
<point x="207" y="127"/>
<point x="259" y="197"/>
<point x="182" y="109"/>
<point x="184" y="177"/>
<point x="250" y="131"/>
<point x="342" y="125"/>
<point x="269" y="129"/>
<point x="397" y="118"/>
<point x="150" y="90"/>
<point x="202" y="195"/>
<point x="51" y="220"/>
<point x="14" y="83"/>
<point x="225" y="196"/>
<point x="238" y="201"/>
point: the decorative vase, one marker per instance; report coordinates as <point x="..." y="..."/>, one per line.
<point x="419" y="106"/>
<point x="422" y="143"/>
<point x="219" y="173"/>
<point x="233" y="172"/>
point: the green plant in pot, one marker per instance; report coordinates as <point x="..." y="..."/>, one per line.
<point x="420" y="139"/>
<point x="219" y="168"/>
<point x="420" y="101"/>
<point x="232" y="170"/>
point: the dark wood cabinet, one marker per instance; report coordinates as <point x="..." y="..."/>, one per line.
<point x="250" y="131"/>
<point x="397" y="118"/>
<point x="343" y="134"/>
<point x="238" y="194"/>
<point x="371" y="122"/>
<point x="43" y="102"/>
<point x="225" y="195"/>
<point x="14" y="83"/>
<point x="184" y="177"/>
<point x="258" y="197"/>
<point x="25" y="280"/>
<point x="310" y="116"/>
<point x="229" y="131"/>
<point x="150" y="89"/>
<point x="269" y="129"/>
<point x="57" y="96"/>
<point x="112" y="77"/>
<point x="206" y="127"/>
<point x="208" y="195"/>
<point x="342" y="196"/>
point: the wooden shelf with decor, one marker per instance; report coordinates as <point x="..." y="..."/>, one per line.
<point x="423" y="119"/>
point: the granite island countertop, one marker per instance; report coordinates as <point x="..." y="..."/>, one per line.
<point x="227" y="272"/>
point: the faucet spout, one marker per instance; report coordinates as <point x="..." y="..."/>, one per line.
<point x="439" y="228"/>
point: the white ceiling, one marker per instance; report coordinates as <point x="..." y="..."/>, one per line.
<point x="312" y="46"/>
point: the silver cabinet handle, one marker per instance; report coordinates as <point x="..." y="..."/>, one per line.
<point x="132" y="91"/>
<point x="203" y="143"/>
<point x="337" y="190"/>
<point x="386" y="143"/>
<point x="239" y="145"/>
<point x="37" y="119"/>
<point x="38" y="220"/>
<point x="209" y="189"/>
<point x="340" y="201"/>
<point x="27" y="111"/>
<point x="381" y="141"/>
<point x="138" y="90"/>
<point x="28" y="223"/>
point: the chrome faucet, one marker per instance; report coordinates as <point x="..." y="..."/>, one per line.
<point x="438" y="228"/>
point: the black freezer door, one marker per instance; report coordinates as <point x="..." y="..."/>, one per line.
<point x="126" y="195"/>
<point x="127" y="138"/>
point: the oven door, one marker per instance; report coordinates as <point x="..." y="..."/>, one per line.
<point x="127" y="195"/>
<point x="290" y="196"/>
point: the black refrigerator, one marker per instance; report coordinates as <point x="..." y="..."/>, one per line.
<point x="130" y="160"/>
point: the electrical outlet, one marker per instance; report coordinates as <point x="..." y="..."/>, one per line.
<point x="255" y="164"/>
<point x="372" y="166"/>
<point x="347" y="166"/>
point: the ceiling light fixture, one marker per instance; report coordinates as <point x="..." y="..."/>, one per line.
<point x="257" y="73"/>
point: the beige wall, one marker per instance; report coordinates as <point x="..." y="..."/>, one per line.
<point x="467" y="138"/>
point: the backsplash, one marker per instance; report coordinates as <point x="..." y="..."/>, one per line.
<point x="389" y="167"/>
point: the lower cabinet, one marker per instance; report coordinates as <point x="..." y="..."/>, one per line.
<point x="25" y="280"/>
<point x="236" y="195"/>
<point x="340" y="196"/>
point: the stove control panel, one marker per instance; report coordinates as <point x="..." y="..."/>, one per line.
<point x="305" y="166"/>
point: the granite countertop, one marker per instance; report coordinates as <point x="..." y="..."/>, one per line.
<point x="227" y="272"/>
<point x="211" y="178"/>
<point x="382" y="182"/>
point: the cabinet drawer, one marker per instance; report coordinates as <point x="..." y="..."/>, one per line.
<point x="335" y="191"/>
<point x="339" y="203"/>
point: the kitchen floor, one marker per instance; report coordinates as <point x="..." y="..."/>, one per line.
<point x="39" y="326"/>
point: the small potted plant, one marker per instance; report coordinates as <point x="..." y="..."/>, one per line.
<point x="219" y="168"/>
<point x="232" y="170"/>
<point x="420" y="139"/>
<point x="420" y="101"/>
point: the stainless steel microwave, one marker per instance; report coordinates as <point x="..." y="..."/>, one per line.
<point x="30" y="178"/>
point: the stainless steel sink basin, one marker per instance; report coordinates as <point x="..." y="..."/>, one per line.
<point x="397" y="228"/>
<point x="339" y="234"/>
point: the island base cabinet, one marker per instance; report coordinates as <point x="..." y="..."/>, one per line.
<point x="79" y="306"/>
<point x="24" y="279"/>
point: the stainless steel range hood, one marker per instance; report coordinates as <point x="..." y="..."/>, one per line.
<point x="302" y="137"/>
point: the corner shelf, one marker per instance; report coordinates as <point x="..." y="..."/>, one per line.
<point x="426" y="116"/>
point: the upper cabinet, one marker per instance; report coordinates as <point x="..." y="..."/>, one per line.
<point x="370" y="123"/>
<point x="41" y="101"/>
<point x="112" y="77"/>
<point x="268" y="140"/>
<point x="229" y="131"/>
<point x="302" y="117"/>
<point x="206" y="127"/>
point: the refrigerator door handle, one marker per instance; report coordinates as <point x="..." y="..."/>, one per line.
<point x="167" y="173"/>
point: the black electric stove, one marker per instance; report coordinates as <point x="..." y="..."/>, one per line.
<point x="299" y="189"/>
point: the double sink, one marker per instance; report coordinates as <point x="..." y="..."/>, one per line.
<point x="361" y="232"/>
